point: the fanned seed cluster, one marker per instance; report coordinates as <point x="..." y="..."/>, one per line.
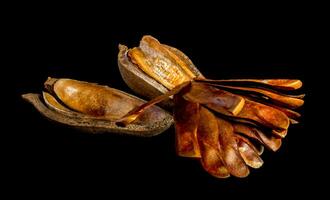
<point x="224" y="123"/>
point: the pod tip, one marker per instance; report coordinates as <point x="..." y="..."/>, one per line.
<point x="49" y="83"/>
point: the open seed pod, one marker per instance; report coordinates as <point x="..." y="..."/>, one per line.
<point x="224" y="123"/>
<point x="95" y="108"/>
<point x="142" y="83"/>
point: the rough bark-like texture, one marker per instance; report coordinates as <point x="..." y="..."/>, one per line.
<point x="97" y="125"/>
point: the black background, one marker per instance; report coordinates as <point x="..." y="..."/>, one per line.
<point x="46" y="157"/>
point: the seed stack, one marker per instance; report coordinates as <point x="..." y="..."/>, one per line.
<point x="224" y="123"/>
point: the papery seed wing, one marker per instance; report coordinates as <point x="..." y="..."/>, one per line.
<point x="291" y="114"/>
<point x="290" y="101"/>
<point x="138" y="57"/>
<point x="228" y="143"/>
<point x="161" y="64"/>
<point x="216" y="99"/>
<point x="265" y="115"/>
<point x="184" y="58"/>
<point x="248" y="152"/>
<point x="246" y="130"/>
<point x="280" y="133"/>
<point x="269" y="140"/>
<point x="186" y="117"/>
<point x="248" y="134"/>
<point x="283" y="84"/>
<point x="208" y="138"/>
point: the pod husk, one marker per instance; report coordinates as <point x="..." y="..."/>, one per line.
<point x="92" y="124"/>
<point x="141" y="83"/>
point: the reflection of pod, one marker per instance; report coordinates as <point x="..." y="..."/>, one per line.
<point x="95" y="108"/>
